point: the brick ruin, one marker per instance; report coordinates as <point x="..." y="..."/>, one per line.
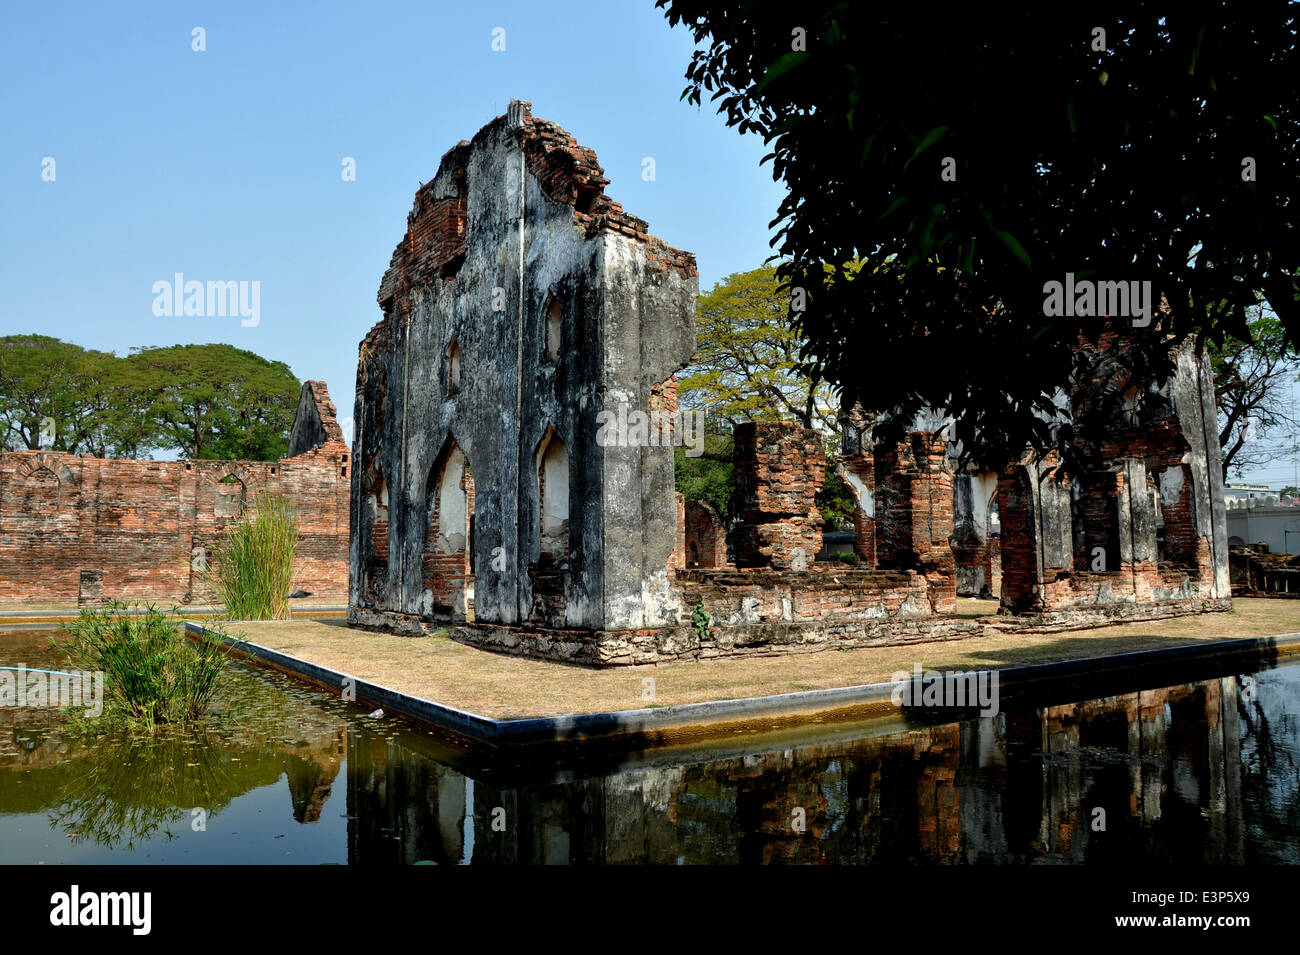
<point x="80" y="530"/>
<point x="522" y="303"/>
<point x="523" y="306"/>
<point x="1140" y="530"/>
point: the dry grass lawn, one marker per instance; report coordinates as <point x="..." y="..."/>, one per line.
<point x="437" y="668"/>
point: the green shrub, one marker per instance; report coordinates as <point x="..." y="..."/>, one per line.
<point x="701" y="619"/>
<point x="153" y="672"/>
<point x="252" y="568"/>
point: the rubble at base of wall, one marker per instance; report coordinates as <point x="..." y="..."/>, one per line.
<point x="1258" y="574"/>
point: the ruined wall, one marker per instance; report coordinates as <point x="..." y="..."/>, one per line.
<point x="976" y="548"/>
<point x="90" y="529"/>
<point x="1085" y="548"/>
<point x="857" y="469"/>
<point x="521" y="302"/>
<point x="914" y="513"/>
<point x="316" y="423"/>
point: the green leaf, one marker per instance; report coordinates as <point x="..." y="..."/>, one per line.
<point x="1014" y="245"/>
<point x="930" y="138"/>
<point x="782" y="66"/>
<point x="894" y="206"/>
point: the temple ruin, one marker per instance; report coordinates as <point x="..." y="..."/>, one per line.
<point x="522" y="303"/>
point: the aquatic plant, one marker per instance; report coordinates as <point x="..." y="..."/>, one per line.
<point x="252" y="567"/>
<point x="153" y="672"/>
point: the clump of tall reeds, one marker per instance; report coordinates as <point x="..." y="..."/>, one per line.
<point x="251" y="569"/>
<point x="153" y="672"/>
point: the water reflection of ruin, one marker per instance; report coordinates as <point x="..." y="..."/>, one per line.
<point x="1164" y="765"/>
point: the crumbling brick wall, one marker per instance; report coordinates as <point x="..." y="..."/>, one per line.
<point x="857" y="469"/>
<point x="975" y="546"/>
<point x="1088" y="545"/>
<point x="78" y="529"/>
<point x="556" y="307"/>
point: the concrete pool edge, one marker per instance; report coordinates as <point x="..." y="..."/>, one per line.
<point x="656" y="725"/>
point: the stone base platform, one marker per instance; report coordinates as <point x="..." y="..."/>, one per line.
<point x="661" y="645"/>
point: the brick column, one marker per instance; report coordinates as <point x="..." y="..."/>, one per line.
<point x="1037" y="531"/>
<point x="779" y="469"/>
<point x="914" y="518"/>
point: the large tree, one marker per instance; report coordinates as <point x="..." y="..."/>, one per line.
<point x="59" y="395"/>
<point x="747" y="367"/>
<point x="969" y="157"/>
<point x="218" y="401"/>
<point x="203" y="401"/>
<point x="747" y="361"/>
<point x="1253" y="384"/>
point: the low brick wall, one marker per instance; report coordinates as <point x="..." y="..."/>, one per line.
<point x="755" y="613"/>
<point x="829" y="591"/>
<point x="1144" y="591"/>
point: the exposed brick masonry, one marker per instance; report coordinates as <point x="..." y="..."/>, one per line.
<point x="779" y="469"/>
<point x="91" y="529"/>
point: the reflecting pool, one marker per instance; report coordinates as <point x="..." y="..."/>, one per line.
<point x="1192" y="773"/>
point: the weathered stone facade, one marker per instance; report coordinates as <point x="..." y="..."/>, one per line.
<point x="520" y="304"/>
<point x="976" y="545"/>
<point x="88" y="530"/>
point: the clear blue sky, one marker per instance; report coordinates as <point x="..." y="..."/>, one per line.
<point x="225" y="164"/>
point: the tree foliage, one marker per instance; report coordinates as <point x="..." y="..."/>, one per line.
<point x="711" y="476"/>
<point x="86" y="399"/>
<point x="218" y="401"/>
<point x="1252" y="380"/>
<point x="203" y="401"/>
<point x="747" y="364"/>
<point x="986" y="151"/>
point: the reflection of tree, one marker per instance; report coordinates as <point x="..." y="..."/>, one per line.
<point x="132" y="789"/>
<point x="116" y="789"/>
<point x="1270" y="776"/>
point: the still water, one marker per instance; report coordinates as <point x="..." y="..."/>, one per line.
<point x="1201" y="772"/>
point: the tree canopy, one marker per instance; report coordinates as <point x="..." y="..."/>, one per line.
<point x="969" y="158"/>
<point x="747" y="361"/>
<point x="218" y="401"/>
<point x="202" y="401"/>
